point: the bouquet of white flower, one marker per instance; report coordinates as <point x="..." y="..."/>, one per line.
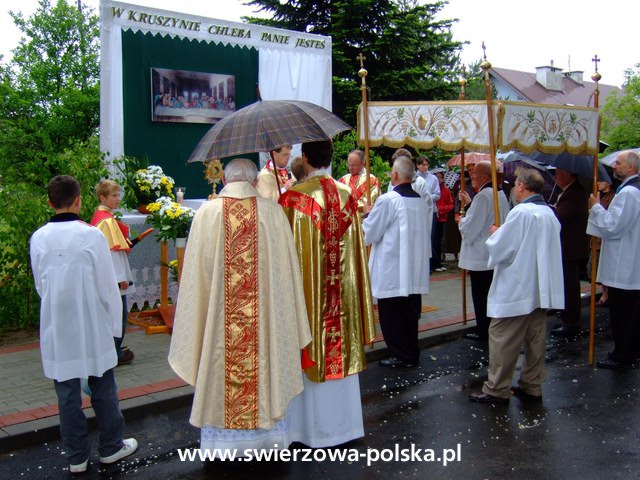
<point x="151" y="184"/>
<point x="170" y="219"/>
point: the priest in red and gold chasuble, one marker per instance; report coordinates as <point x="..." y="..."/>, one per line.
<point x="236" y="338"/>
<point x="329" y="241"/>
<point x="356" y="179"/>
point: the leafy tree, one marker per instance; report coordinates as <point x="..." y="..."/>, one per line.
<point x="49" y="113"/>
<point x="346" y="142"/>
<point x="409" y="55"/>
<point x="53" y="94"/>
<point x="621" y="115"/>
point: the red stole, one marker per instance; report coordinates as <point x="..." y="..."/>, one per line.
<point x="359" y="191"/>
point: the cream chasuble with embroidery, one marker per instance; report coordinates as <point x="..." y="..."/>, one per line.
<point x="240" y="319"/>
<point x="335" y="274"/>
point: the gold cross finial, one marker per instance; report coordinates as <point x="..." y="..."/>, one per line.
<point x="484" y="51"/>
<point x="362" y="58"/>
<point x="596" y="60"/>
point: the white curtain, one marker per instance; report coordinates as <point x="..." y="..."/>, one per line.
<point x="287" y="75"/>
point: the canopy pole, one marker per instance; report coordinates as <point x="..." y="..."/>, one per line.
<point x="463" y="188"/>
<point x="486" y="66"/>
<point x="594" y="267"/>
<point x="362" y="73"/>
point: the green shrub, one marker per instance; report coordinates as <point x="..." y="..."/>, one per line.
<point x="24" y="209"/>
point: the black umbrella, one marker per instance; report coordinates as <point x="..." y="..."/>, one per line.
<point x="267" y="125"/>
<point x="578" y="164"/>
<point x="512" y="161"/>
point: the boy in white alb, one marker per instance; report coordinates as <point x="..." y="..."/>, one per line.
<point x="80" y="313"/>
<point x="117" y="235"/>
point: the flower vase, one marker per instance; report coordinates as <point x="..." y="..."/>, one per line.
<point x="143" y="209"/>
<point x="180" y="242"/>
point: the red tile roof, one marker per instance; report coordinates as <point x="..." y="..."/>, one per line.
<point x="573" y="93"/>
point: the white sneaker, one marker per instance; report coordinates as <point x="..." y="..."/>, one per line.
<point x="79" y="468"/>
<point x="130" y="446"/>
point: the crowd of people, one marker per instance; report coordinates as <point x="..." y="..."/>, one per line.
<point x="281" y="274"/>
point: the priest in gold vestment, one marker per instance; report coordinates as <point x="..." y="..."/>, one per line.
<point x="241" y="318"/>
<point x="357" y="179"/>
<point x="329" y="241"/>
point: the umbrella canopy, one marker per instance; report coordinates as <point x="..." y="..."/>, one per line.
<point x="609" y="159"/>
<point x="450" y="179"/>
<point x="267" y="125"/>
<point x="578" y="164"/>
<point x="515" y="160"/>
<point x="469" y="157"/>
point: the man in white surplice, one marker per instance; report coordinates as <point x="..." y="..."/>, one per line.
<point x="399" y="269"/>
<point x="620" y="260"/>
<point x="241" y="319"/>
<point x="526" y="255"/>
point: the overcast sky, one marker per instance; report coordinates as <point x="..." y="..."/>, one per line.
<point x="518" y="35"/>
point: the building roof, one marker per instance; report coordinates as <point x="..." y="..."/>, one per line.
<point x="572" y="93"/>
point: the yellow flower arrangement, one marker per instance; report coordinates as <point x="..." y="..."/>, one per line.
<point x="170" y="219"/>
<point x="151" y="183"/>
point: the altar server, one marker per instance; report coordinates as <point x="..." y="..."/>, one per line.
<point x="526" y="256"/>
<point x="80" y="313"/>
<point x="619" y="264"/>
<point x="397" y="227"/>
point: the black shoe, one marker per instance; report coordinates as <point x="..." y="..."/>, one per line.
<point x="554" y="312"/>
<point x="393" y="362"/>
<point x="524" y="396"/>
<point x="610" y="364"/>
<point x="564" y="331"/>
<point x="475" y="336"/>
<point x="126" y="358"/>
<point x="482" y="397"/>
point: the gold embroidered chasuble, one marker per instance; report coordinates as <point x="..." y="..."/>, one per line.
<point x="329" y="241"/>
<point x="358" y="185"/>
<point x="240" y="319"/>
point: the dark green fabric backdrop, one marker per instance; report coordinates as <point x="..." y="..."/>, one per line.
<point x="170" y="144"/>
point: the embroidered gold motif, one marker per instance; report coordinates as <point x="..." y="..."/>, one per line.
<point x="241" y="313"/>
<point x="333" y="334"/>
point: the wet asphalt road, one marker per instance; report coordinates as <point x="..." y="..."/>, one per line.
<point x="587" y="427"/>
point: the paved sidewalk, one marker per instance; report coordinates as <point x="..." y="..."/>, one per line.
<point x="28" y="405"/>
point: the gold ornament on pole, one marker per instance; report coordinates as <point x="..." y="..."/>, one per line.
<point x="362" y="73"/>
<point x="486" y="66"/>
